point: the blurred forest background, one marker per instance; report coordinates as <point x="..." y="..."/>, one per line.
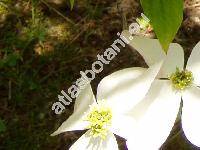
<point x="43" y="47"/>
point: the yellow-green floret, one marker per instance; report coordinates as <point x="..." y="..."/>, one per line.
<point x="181" y="79"/>
<point x="99" y="120"/>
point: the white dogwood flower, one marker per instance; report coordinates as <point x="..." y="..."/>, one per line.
<point x="174" y="82"/>
<point x="105" y="115"/>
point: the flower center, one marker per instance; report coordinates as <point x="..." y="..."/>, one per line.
<point x="99" y="119"/>
<point x="181" y="79"/>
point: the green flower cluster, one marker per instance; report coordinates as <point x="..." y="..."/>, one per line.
<point x="100" y="120"/>
<point x="181" y="79"/>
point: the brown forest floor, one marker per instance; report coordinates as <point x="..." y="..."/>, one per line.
<point x="42" y="52"/>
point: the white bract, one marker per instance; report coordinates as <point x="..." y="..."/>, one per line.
<point x="105" y="115"/>
<point x="174" y="82"/>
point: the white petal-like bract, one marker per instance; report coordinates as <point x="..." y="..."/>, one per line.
<point x="113" y="82"/>
<point x="128" y="93"/>
<point x="193" y="63"/>
<point x="82" y="103"/>
<point x="150" y="49"/>
<point x="174" y="60"/>
<point x="86" y="142"/>
<point x="123" y="125"/>
<point x="191" y="115"/>
<point x="156" y="116"/>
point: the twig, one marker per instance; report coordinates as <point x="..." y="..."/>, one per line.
<point x="78" y="35"/>
<point x="59" y="13"/>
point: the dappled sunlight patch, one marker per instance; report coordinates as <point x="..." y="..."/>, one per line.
<point x="44" y="48"/>
<point x="59" y="31"/>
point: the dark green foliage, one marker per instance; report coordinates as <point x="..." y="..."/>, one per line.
<point x="2" y="126"/>
<point x="166" y="17"/>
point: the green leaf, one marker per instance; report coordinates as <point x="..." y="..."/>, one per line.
<point x="2" y="126"/>
<point x="12" y="59"/>
<point x="166" y="17"/>
<point x="71" y="4"/>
